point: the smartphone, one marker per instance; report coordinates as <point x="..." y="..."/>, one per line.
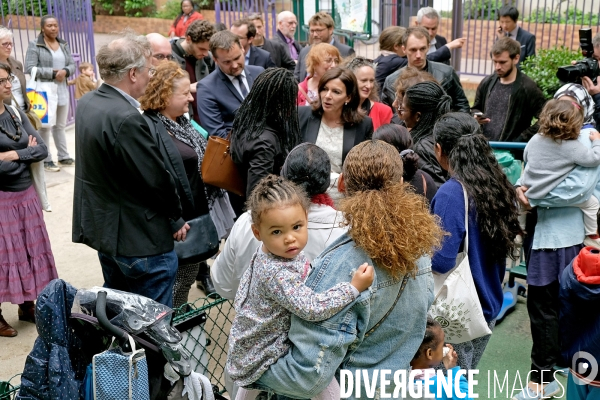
<point x="480" y="115"/>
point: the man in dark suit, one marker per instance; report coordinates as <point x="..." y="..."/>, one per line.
<point x="191" y="53"/>
<point x="246" y="32"/>
<point x="125" y="203"/>
<point x="278" y="51"/>
<point x="221" y="93"/>
<point x="439" y="48"/>
<point x="507" y="17"/>
<point x="286" y="28"/>
<point x="321" y="31"/>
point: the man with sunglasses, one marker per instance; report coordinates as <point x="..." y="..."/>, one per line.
<point x="193" y="56"/>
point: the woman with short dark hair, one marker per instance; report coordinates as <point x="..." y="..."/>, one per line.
<point x="399" y="137"/>
<point x="336" y="123"/>
<point x="26" y="259"/>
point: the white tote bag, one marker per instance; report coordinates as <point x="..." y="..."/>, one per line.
<point x="38" y="176"/>
<point x="43" y="97"/>
<point x="456" y="305"/>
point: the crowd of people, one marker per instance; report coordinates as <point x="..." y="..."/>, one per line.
<point x="362" y="180"/>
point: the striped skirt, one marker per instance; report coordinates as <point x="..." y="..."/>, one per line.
<point x="26" y="261"/>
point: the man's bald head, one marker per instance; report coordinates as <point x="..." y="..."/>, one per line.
<point x="287" y="23"/>
<point x="161" y="48"/>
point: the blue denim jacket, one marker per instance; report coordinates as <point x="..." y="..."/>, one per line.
<point x="319" y="349"/>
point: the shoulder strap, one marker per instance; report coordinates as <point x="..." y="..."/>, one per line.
<point x="466" y="249"/>
<point x="15" y="111"/>
<point x="404" y="282"/>
<point x="424" y="185"/>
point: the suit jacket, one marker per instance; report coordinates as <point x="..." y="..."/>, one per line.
<point x="125" y="201"/>
<point x="353" y="135"/>
<point x="281" y="38"/>
<point x="443" y="53"/>
<point x="300" y="71"/>
<point x="280" y="54"/>
<point x="527" y="41"/>
<point x="17" y="69"/>
<point x="219" y="100"/>
<point x="260" y="58"/>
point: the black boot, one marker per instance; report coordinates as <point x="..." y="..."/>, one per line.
<point x="203" y="280"/>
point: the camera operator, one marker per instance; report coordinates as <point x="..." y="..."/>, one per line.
<point x="594" y="89"/>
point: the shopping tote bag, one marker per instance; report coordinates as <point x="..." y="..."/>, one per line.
<point x="43" y="97"/>
<point x="456" y="305"/>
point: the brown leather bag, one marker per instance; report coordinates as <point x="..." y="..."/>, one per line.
<point x="218" y="169"/>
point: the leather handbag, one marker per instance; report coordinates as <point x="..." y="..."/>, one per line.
<point x="218" y="168"/>
<point x="201" y="242"/>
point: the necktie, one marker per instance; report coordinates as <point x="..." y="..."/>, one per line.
<point x="242" y="86"/>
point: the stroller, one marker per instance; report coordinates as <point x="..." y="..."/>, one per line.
<point x="74" y="325"/>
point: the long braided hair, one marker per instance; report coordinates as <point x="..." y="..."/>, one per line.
<point x="474" y="165"/>
<point x="429" y="99"/>
<point x="271" y="102"/>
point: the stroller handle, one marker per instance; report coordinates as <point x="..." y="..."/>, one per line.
<point x="117" y="332"/>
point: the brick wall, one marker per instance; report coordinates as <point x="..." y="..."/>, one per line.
<point x="110" y="24"/>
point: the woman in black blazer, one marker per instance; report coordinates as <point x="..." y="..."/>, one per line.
<point x="335" y="123"/>
<point x="265" y="127"/>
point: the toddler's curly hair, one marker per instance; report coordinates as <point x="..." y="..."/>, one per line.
<point x="561" y="120"/>
<point x="275" y="192"/>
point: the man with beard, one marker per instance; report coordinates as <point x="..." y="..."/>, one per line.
<point x="507" y="101"/>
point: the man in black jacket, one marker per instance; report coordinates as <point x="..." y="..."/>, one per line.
<point x="507" y="21"/>
<point x="416" y="43"/>
<point x="246" y="32"/>
<point x="439" y="48"/>
<point x="594" y="88"/>
<point x="125" y="202"/>
<point x="193" y="56"/>
<point x="278" y="51"/>
<point x="508" y="99"/>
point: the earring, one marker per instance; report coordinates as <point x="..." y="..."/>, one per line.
<point x="346" y="103"/>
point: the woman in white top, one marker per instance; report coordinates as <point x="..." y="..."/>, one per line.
<point x="335" y="123"/>
<point x="308" y="166"/>
<point x="52" y="57"/>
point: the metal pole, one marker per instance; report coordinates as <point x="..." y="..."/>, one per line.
<point x="457" y="32"/>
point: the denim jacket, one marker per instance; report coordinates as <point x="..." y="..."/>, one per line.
<point x="319" y="349"/>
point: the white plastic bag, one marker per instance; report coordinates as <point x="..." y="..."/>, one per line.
<point x="456" y="305"/>
<point x="43" y="97"/>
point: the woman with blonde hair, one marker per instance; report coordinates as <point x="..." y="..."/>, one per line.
<point x="320" y="59"/>
<point x="396" y="234"/>
<point x="165" y="101"/>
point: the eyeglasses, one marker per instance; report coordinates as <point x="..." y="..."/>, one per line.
<point x="330" y="61"/>
<point x="317" y="31"/>
<point x="7" y="45"/>
<point x="151" y="71"/>
<point x="161" y="57"/>
<point x="10" y="79"/>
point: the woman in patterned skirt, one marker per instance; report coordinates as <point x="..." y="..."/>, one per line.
<point x="26" y="261"/>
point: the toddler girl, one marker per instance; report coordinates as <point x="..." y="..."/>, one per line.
<point x="429" y="356"/>
<point x="272" y="288"/>
<point x="554" y="152"/>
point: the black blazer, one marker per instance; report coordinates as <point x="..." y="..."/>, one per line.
<point x="527" y="41"/>
<point x="219" y="100"/>
<point x="260" y="58"/>
<point x="442" y="53"/>
<point x="257" y="158"/>
<point x="281" y="38"/>
<point x="280" y="54"/>
<point x="353" y="135"/>
<point x="125" y="200"/>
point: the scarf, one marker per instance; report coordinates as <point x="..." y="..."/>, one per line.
<point x="583" y="97"/>
<point x="186" y="133"/>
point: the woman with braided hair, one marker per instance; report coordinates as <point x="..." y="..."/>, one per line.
<point x="364" y="70"/>
<point x="462" y="150"/>
<point x="165" y="101"/>
<point x="265" y="127"/>
<point x="421" y="107"/>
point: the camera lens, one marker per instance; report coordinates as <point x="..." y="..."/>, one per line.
<point x="572" y="73"/>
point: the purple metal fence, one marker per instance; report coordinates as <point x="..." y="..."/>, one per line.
<point x="75" y="22"/>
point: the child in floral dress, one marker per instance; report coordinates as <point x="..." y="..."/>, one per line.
<point x="272" y="288"/>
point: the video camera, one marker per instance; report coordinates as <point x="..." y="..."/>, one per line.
<point x="586" y="67"/>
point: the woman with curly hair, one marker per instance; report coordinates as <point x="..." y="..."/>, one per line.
<point x="164" y="103"/>
<point x="462" y="150"/>
<point x="385" y="326"/>
<point x="364" y="70"/>
<point x="265" y="127"/>
<point x="421" y="107"/>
